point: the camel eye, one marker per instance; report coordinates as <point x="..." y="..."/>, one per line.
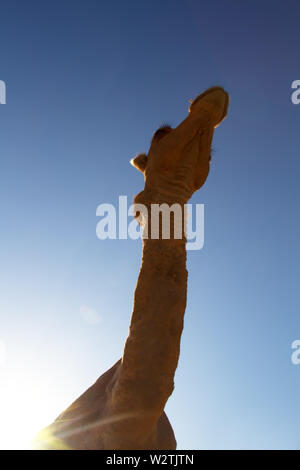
<point x="161" y="132"/>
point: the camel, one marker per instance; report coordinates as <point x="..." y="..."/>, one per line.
<point x="124" y="408"/>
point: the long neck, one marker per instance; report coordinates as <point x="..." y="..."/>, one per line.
<point x="151" y="352"/>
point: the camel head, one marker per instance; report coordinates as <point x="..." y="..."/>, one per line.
<point x="177" y="163"/>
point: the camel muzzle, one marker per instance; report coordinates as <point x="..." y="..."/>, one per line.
<point x="215" y="100"/>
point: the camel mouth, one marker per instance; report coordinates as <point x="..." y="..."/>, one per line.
<point x="220" y="97"/>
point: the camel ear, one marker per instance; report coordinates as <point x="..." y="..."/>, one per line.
<point x="140" y="162"/>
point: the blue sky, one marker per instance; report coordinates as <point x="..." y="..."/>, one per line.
<point x="87" y="84"/>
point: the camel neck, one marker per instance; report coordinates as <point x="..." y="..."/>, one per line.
<point x="145" y="380"/>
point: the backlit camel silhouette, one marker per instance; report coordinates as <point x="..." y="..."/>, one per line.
<point x="124" y="408"/>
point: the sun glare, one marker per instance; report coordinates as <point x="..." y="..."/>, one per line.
<point x="26" y="406"/>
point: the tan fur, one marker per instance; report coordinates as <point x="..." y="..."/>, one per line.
<point x="124" y="409"/>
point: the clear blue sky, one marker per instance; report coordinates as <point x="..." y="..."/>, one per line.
<point x="87" y="84"/>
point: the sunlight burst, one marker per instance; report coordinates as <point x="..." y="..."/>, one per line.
<point x="26" y="406"/>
